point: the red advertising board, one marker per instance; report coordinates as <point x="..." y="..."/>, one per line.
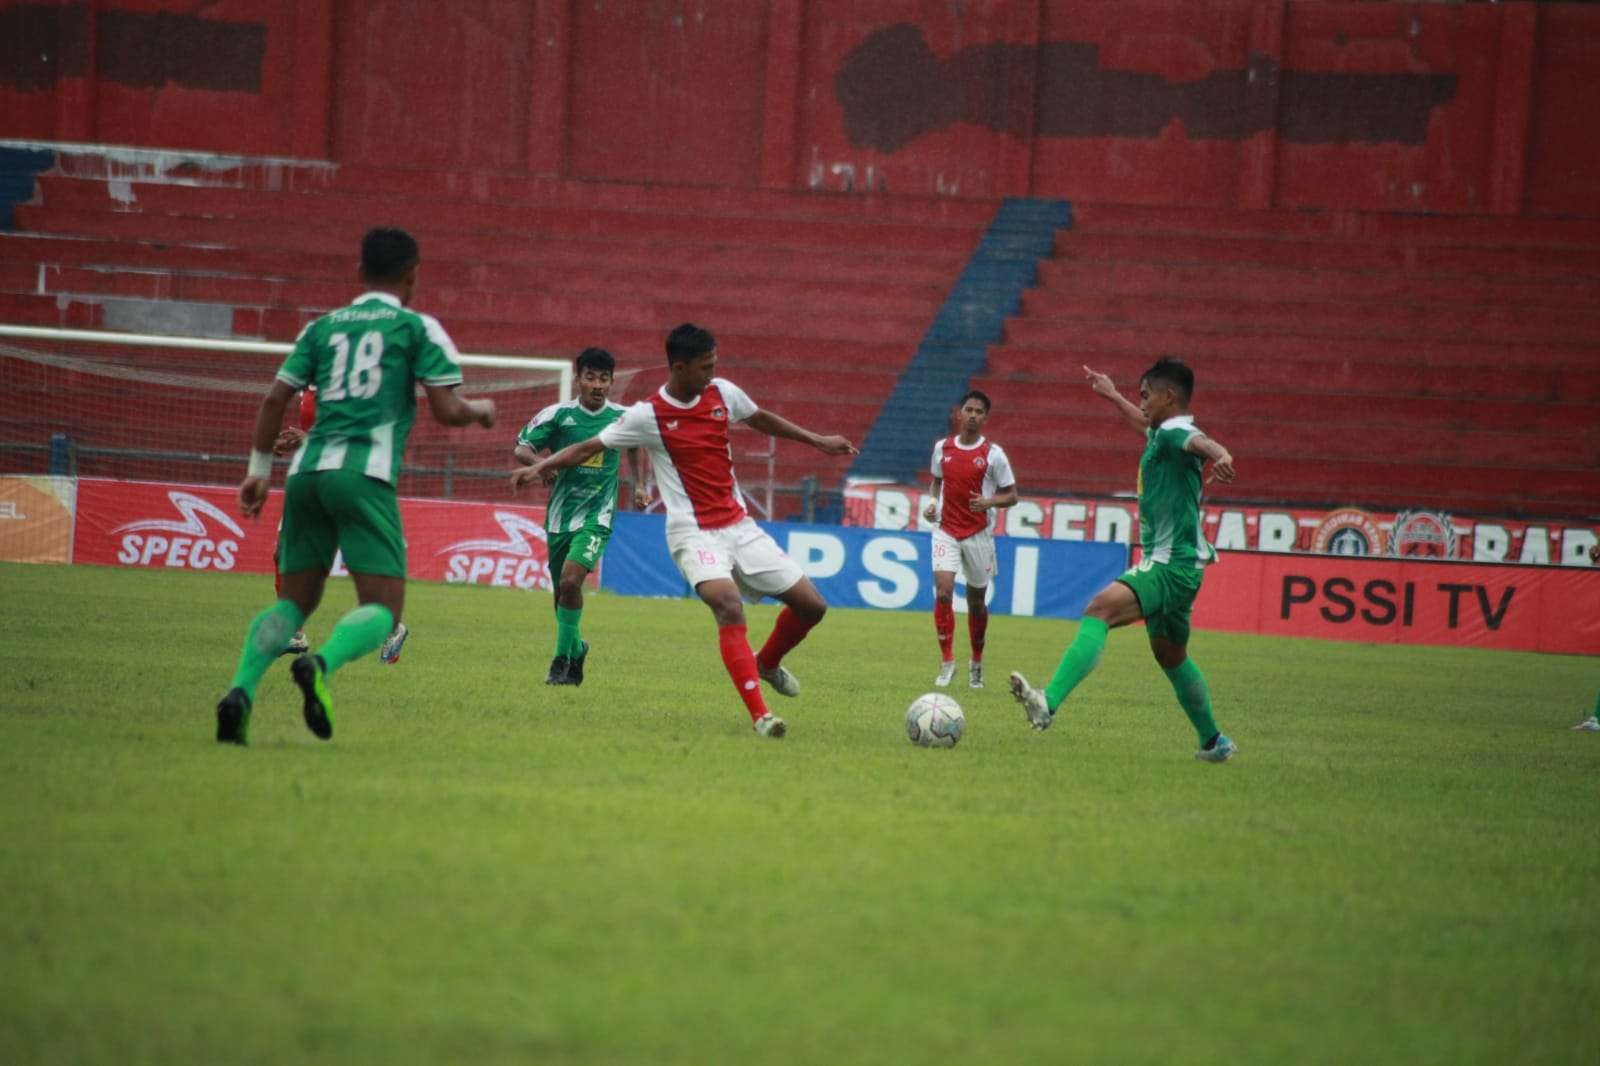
<point x="196" y="527"/>
<point x="1403" y="601"/>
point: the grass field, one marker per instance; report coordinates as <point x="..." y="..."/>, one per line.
<point x="1403" y="864"/>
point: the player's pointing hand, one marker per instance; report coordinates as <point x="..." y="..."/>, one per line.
<point x="1101" y="383"/>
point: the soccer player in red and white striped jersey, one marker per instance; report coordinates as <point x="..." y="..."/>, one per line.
<point x="971" y="479"/>
<point x="720" y="550"/>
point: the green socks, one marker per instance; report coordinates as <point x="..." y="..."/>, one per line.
<point x="1190" y="685"/>
<point x="264" y="641"/>
<point x="568" y="642"/>
<point x="1078" y="662"/>
<point x="361" y="631"/>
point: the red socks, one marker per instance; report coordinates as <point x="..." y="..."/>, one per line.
<point x="741" y="663"/>
<point x="944" y="625"/>
<point x="977" y="626"/>
<point x="788" y="632"/>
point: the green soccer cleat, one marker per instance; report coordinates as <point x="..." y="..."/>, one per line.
<point x="311" y="674"/>
<point x="233" y="718"/>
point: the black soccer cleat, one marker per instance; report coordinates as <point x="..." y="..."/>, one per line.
<point x="311" y="674"/>
<point x="233" y="718"/>
<point x="575" y="666"/>
<point x="558" y="671"/>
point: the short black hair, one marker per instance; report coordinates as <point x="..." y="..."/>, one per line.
<point x="981" y="397"/>
<point x="594" y="359"/>
<point x="689" y="341"/>
<point x="1174" y="372"/>
<point x="387" y="253"/>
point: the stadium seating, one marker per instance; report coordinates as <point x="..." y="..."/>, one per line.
<point x="1377" y="360"/>
<point x="818" y="301"/>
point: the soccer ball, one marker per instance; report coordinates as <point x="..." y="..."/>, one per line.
<point x="935" y="720"/>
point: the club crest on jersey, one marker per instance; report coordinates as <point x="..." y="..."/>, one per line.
<point x="980" y="462"/>
<point x="719" y="413"/>
<point x="673" y="424"/>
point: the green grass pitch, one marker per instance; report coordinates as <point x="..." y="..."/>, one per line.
<point x="1403" y="864"/>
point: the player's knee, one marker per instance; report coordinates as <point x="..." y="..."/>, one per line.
<point x="570" y="592"/>
<point x="945" y="596"/>
<point x="812" y="610"/>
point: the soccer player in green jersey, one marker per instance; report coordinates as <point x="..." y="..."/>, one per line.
<point x="365" y="361"/>
<point x="1162" y="588"/>
<point x="577" y="522"/>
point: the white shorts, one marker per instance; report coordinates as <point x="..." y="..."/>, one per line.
<point x="743" y="551"/>
<point x="973" y="557"/>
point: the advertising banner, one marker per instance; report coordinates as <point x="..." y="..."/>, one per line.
<point x="36" y="519"/>
<point x="1404" y="601"/>
<point x="1297" y="530"/>
<point x="891" y="571"/>
<point x="195" y="527"/>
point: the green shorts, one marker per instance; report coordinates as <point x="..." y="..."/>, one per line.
<point x="582" y="546"/>
<point x="328" y="511"/>
<point x="1166" y="597"/>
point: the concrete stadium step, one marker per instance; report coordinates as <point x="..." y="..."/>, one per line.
<point x="1518" y="261"/>
<point x="1042" y="400"/>
<point x="1559" y="325"/>
<point x="1373" y="227"/>
<point x="264" y="247"/>
<point x="1063" y="338"/>
<point x="1272" y="284"/>
<point x="177" y="201"/>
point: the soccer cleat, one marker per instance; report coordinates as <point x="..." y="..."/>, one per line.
<point x="1221" y="750"/>
<point x="233" y="718"/>
<point x="575" y="665"/>
<point x="1032" y="700"/>
<point x="947" y="670"/>
<point x="770" y="725"/>
<point x="782" y="681"/>
<point x="974" y="675"/>
<point x="1590" y="724"/>
<point x="311" y="674"/>
<point x="558" y="671"/>
<point x="298" y="645"/>
<point x="393" y="644"/>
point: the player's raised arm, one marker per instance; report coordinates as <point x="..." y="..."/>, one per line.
<point x="1221" y="460"/>
<point x="1103" y="386"/>
<point x="778" y="426"/>
<point x="450" y="409"/>
<point x="571" y="455"/>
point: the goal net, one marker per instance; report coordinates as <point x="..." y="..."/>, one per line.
<point x="170" y="409"/>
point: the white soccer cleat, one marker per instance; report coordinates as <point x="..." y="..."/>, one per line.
<point x="1590" y="724"/>
<point x="298" y="645"/>
<point x="393" y="644"/>
<point x="974" y="675"/>
<point x="1032" y="701"/>
<point x="782" y="681"/>
<point x="947" y="672"/>
<point x="770" y="725"/>
<point x="1221" y="751"/>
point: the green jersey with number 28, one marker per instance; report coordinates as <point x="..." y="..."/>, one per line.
<point x="365" y="361"/>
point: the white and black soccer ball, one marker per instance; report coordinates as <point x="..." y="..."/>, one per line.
<point x="934" y="720"/>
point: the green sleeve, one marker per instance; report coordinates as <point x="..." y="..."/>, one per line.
<point x="298" y="369"/>
<point x="540" y="432"/>
<point x="436" y="359"/>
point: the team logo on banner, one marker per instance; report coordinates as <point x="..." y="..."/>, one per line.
<point x="188" y="541"/>
<point x="1423" y="535"/>
<point x="1348" y="531"/>
<point x="517" y="559"/>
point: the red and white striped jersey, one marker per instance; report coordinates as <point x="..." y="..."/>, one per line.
<point x="980" y="468"/>
<point x="689" y="449"/>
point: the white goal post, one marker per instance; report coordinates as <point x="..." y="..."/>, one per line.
<point x="219" y="344"/>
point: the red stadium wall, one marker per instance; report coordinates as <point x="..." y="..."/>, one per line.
<point x="1476" y="108"/>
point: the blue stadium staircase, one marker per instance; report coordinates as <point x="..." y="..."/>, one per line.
<point x="18" y="168"/>
<point x="990" y="288"/>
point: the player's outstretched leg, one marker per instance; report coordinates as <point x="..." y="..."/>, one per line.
<point x="358" y="633"/>
<point x="264" y="641"/>
<point x="1077" y="663"/>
